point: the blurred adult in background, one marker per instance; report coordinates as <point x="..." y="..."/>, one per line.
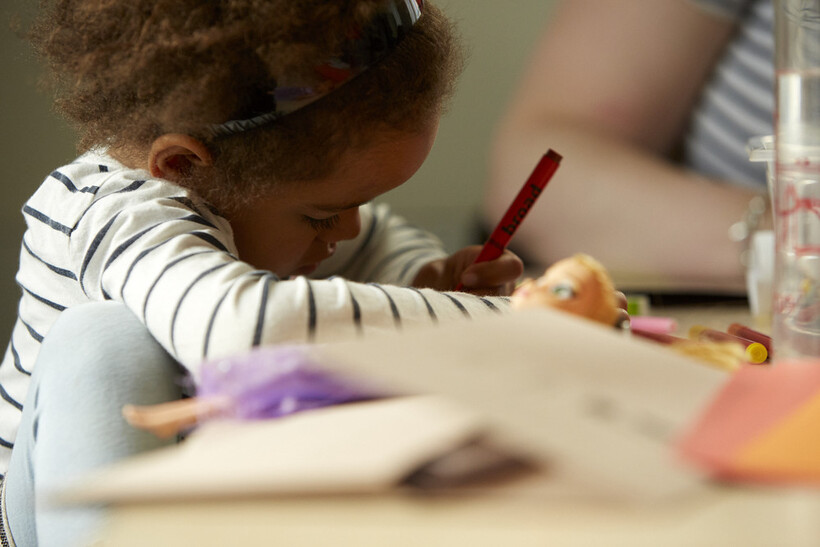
<point x="651" y="103"/>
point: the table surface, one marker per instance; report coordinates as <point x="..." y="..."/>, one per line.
<point x="514" y="511"/>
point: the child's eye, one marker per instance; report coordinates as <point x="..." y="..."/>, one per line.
<point x="320" y="224"/>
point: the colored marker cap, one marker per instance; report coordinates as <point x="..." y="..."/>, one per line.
<point x="637" y="304"/>
<point x="756" y="353"/>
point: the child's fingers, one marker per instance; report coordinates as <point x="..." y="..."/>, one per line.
<point x="623" y="315"/>
<point x="495" y="273"/>
<point x="620" y="300"/>
<point x="623" y="318"/>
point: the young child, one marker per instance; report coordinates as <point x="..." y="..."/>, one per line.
<point x="231" y="151"/>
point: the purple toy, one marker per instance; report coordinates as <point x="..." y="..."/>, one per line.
<point x="265" y="383"/>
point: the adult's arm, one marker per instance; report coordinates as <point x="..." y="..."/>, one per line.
<point x="610" y="86"/>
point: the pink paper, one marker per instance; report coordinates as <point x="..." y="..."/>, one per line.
<point x="756" y="399"/>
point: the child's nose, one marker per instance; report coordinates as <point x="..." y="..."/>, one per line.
<point x="348" y="227"/>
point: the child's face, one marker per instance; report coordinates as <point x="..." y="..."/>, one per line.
<point x="293" y="231"/>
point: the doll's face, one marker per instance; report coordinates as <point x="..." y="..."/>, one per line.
<point x="568" y="285"/>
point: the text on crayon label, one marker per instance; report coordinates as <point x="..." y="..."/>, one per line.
<point x="510" y="227"/>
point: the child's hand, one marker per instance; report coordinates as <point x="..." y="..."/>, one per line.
<point x="495" y="277"/>
<point x="623" y="315"/>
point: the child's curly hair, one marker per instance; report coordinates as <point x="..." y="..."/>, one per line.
<point x="129" y="71"/>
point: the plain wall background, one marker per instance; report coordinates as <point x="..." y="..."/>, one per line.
<point x="443" y="197"/>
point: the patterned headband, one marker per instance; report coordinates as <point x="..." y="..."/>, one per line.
<point x="370" y="45"/>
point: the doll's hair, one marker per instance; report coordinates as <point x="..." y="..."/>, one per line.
<point x="128" y="71"/>
<point x="607" y="310"/>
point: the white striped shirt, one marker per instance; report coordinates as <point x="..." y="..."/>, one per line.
<point x="738" y="101"/>
<point x="100" y="231"/>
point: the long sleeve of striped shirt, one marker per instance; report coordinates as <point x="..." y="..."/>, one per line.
<point x="737" y="101"/>
<point x="100" y="231"/>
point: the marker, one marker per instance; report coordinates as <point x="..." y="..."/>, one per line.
<point x="521" y="205"/>
<point x="664" y="325"/>
<point x="720" y="354"/>
<point x="662" y="337"/>
<point x="742" y="330"/>
<point x="755" y="351"/>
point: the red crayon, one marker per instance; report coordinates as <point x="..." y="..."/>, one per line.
<point x="519" y="208"/>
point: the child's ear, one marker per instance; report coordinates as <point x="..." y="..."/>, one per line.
<point x="173" y="156"/>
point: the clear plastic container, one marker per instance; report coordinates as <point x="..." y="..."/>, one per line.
<point x="760" y="255"/>
<point x="796" y="180"/>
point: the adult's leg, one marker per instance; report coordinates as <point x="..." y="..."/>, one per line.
<point x="96" y="358"/>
